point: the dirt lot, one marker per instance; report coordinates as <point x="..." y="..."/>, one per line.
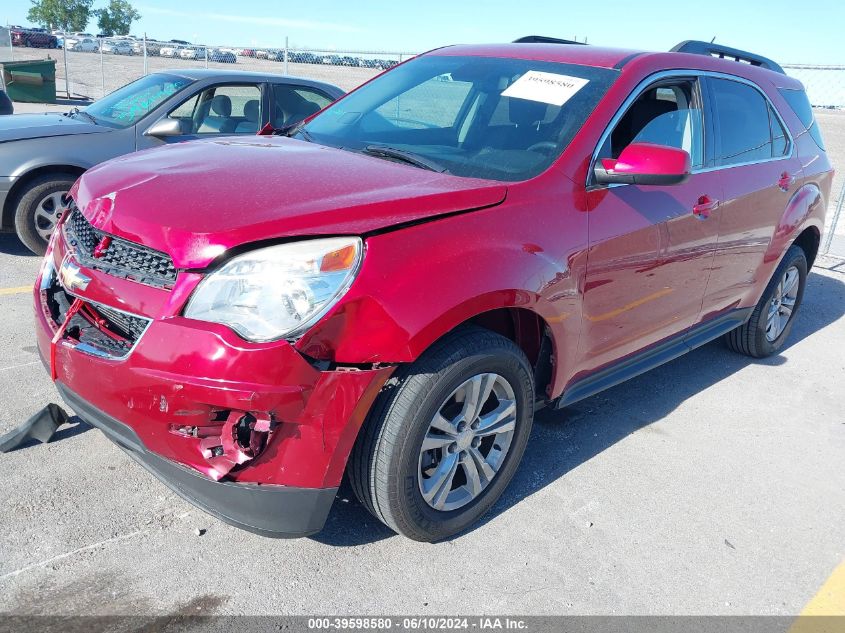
<point x="91" y="79"/>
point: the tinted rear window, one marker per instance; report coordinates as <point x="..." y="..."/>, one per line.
<point x="800" y="104"/>
<point x="745" y="134"/>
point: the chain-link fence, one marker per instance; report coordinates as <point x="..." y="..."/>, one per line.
<point x="90" y="67"/>
<point x="826" y="89"/>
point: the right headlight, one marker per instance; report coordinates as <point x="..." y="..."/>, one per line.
<point x="279" y="291"/>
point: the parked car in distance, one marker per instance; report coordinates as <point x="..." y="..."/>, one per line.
<point x="6" y="105"/>
<point x="222" y="56"/>
<point x="48" y="152"/>
<point x="192" y="52"/>
<point x="171" y="50"/>
<point x="32" y="38"/>
<point x="393" y="289"/>
<point x="153" y="47"/>
<point x="83" y="44"/>
<point x="117" y="47"/>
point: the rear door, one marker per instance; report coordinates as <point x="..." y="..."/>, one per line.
<point x="759" y="173"/>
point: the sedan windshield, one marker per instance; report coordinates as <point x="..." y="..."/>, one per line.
<point x="481" y="117"/>
<point x="128" y="105"/>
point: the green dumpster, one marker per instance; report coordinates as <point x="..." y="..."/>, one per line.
<point x="30" y="81"/>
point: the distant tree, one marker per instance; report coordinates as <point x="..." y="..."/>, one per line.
<point x="67" y="15"/>
<point x="117" y="18"/>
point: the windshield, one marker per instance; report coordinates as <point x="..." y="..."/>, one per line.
<point x="128" y="105"/>
<point x="481" y="117"/>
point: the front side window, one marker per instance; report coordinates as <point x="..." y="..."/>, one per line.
<point x="746" y="133"/>
<point x="292" y="104"/>
<point x="666" y="114"/>
<point x="128" y="105"/>
<point x="481" y="117"/>
<point x="226" y="109"/>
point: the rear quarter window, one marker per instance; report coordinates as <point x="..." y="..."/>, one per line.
<point x="800" y="104"/>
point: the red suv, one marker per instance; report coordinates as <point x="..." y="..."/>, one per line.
<point x="394" y="287"/>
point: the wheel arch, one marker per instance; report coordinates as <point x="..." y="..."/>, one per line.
<point x="14" y="193"/>
<point x="809" y="240"/>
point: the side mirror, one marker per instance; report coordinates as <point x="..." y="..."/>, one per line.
<point x="168" y="127"/>
<point x="645" y="164"/>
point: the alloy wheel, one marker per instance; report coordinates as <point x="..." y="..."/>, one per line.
<point x="467" y="442"/>
<point x="47" y="213"/>
<point x="782" y="304"/>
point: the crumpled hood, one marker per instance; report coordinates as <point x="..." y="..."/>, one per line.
<point x="195" y="200"/>
<point x="16" y="127"/>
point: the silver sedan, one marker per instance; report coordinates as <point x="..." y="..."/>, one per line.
<point x="42" y="155"/>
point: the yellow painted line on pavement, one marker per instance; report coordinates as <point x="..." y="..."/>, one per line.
<point x="828" y="602"/>
<point x="15" y="291"/>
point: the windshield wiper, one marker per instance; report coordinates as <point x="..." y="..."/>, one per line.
<point x="405" y="156"/>
<point x="294" y="129"/>
<point x="76" y="110"/>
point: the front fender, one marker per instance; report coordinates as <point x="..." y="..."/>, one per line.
<point x="418" y="283"/>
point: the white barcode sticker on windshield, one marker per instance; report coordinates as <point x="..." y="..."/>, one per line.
<point x="545" y="87"/>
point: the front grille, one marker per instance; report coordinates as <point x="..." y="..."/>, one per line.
<point x="96" y="329"/>
<point x="119" y="257"/>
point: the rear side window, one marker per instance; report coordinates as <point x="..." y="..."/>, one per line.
<point x="800" y="104"/>
<point x="745" y="128"/>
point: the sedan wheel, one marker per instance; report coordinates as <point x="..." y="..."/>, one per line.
<point x="47" y="213"/>
<point x="39" y="208"/>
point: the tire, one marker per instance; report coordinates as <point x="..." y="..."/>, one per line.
<point x="34" y="205"/>
<point x="388" y="468"/>
<point x="759" y="336"/>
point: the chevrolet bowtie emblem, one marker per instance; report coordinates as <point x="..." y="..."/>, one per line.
<point x="71" y="277"/>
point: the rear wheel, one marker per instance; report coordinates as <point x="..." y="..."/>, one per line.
<point x="771" y="321"/>
<point x="446" y="436"/>
<point x="39" y="207"/>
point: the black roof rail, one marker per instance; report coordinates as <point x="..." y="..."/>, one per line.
<point x="542" y="39"/>
<point x="726" y="52"/>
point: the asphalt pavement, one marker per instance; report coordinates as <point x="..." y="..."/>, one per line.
<point x="712" y="485"/>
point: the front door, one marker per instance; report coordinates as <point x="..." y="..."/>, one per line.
<point x="651" y="247"/>
<point x="217" y="110"/>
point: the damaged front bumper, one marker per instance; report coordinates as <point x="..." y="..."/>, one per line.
<point x="274" y="511"/>
<point x="255" y="434"/>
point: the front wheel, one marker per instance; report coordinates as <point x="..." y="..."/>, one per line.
<point x="770" y="323"/>
<point x="445" y="436"/>
<point x="39" y="208"/>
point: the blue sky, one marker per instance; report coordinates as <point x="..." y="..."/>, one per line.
<point x="787" y="31"/>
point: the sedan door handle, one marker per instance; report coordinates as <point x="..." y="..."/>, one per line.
<point x="705" y="206"/>
<point x="785" y="181"/>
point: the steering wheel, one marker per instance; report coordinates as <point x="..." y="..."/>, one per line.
<point x="544" y="146"/>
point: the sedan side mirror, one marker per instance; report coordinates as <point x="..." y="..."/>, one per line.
<point x="645" y="164"/>
<point x="168" y="127"/>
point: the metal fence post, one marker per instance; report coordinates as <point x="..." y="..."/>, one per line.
<point x="145" y="54"/>
<point x="67" y="75"/>
<point x="205" y="48"/>
<point x="828" y="239"/>
<point x="102" y="70"/>
<point x="286" y="54"/>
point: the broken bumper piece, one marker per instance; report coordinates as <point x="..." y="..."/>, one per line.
<point x="269" y="510"/>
